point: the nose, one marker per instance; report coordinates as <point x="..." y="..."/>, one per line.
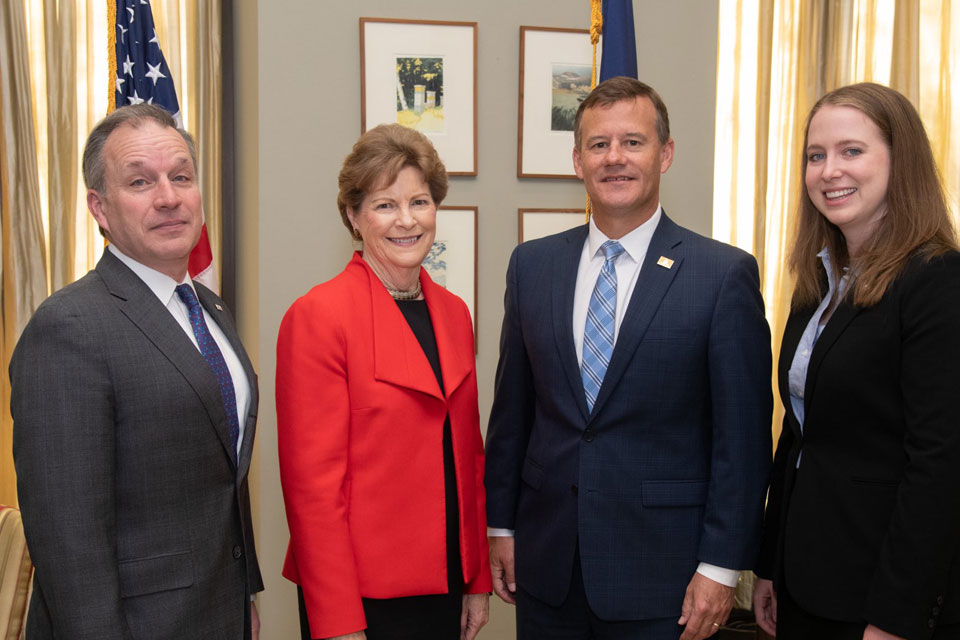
<point x="831" y="167"/>
<point x="166" y="196"/>
<point x="614" y="153"/>
<point x="405" y="216"/>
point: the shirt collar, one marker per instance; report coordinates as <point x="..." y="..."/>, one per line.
<point x="162" y="285"/>
<point x="635" y="243"/>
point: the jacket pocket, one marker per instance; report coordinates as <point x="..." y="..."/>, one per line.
<point x="141" y="576"/>
<point x="532" y="473"/>
<point x="674" y="493"/>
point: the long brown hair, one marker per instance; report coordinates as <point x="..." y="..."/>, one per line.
<point x="916" y="221"/>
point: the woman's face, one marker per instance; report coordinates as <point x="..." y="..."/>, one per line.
<point x="848" y="168"/>
<point x="398" y="223"/>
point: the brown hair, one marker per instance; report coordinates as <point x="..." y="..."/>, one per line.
<point x="94" y="168"/>
<point x="377" y="158"/>
<point x="916" y="221"/>
<point x="623" y="88"/>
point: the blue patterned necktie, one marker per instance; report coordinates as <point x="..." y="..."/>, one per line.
<point x="211" y="353"/>
<point x="601" y="321"/>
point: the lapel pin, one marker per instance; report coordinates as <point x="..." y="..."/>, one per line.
<point x="665" y="262"/>
<point x="219" y="308"/>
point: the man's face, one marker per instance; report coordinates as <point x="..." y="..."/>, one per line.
<point x="620" y="160"/>
<point x="151" y="207"/>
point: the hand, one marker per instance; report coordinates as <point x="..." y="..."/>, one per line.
<point x="476" y="613"/>
<point x="254" y="621"/>
<point x="501" y="564"/>
<point x="356" y="635"/>
<point x="765" y="606"/>
<point x="873" y="633"/>
<point x="706" y="606"/>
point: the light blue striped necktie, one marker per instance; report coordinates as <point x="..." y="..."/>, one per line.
<point x="601" y="321"/>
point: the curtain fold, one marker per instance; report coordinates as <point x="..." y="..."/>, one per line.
<point x="23" y="280"/>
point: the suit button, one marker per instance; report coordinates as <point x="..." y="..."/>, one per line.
<point x="935" y="612"/>
<point x="237" y="552"/>
<point x="939" y="599"/>
<point x="588" y="435"/>
<point x="931" y="623"/>
<point x="573" y="489"/>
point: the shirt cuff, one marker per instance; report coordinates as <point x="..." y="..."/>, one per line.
<point x="726" y="577"/>
<point x="494" y="532"/>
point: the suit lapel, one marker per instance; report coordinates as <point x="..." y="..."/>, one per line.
<point x="842" y="316"/>
<point x="652" y="284"/>
<point x="796" y="323"/>
<point x="398" y="356"/>
<point x="566" y="263"/>
<point x="138" y="303"/>
<point x="456" y="358"/>
<point x="214" y="306"/>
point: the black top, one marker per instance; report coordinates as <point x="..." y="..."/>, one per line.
<point x="418" y="317"/>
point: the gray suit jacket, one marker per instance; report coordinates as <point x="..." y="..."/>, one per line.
<point x="136" y="516"/>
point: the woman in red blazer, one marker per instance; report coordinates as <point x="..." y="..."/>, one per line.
<point x="381" y="457"/>
<point x="862" y="531"/>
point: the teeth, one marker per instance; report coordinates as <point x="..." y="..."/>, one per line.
<point x="412" y="240"/>
<point x="839" y="193"/>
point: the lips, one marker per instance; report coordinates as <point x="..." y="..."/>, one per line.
<point x="617" y="179"/>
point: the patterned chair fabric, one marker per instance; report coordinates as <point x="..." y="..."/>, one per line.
<point x="16" y="572"/>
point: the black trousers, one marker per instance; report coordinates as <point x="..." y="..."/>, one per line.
<point x="431" y="617"/>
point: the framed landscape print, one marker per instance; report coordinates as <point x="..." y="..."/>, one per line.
<point x="539" y="223"/>
<point x="452" y="262"/>
<point x="555" y="70"/>
<point x="423" y="75"/>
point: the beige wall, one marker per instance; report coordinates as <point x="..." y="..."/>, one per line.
<point x="297" y="66"/>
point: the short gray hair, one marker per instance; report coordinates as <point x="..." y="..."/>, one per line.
<point x="133" y="115"/>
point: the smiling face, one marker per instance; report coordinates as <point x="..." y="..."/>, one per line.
<point x="848" y="169"/>
<point x="398" y="223"/>
<point x="620" y="160"/>
<point x="150" y="207"/>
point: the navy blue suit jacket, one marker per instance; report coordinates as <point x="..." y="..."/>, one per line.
<point x="670" y="468"/>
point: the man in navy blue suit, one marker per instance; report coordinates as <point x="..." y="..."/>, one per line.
<point x="629" y="439"/>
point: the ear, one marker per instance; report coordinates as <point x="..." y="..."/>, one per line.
<point x="576" y="162"/>
<point x="666" y="156"/>
<point x="95" y="202"/>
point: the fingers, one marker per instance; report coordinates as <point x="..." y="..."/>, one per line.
<point x="502" y="566"/>
<point x="706" y="606"/>
<point x="765" y="606"/>
<point x="476" y="613"/>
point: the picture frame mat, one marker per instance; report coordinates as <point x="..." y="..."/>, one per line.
<point x="457" y="225"/>
<point x="383" y="40"/>
<point x="542" y="153"/>
<point x="539" y="223"/>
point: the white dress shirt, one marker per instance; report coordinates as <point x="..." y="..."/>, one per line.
<point x="164" y="287"/>
<point x="627" y="267"/>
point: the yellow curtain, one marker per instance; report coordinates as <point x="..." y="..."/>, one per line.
<point x="57" y="54"/>
<point x="774" y="60"/>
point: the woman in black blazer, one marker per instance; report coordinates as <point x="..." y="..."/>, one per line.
<point x="862" y="528"/>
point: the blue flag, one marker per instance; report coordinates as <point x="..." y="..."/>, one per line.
<point x="619" y="41"/>
<point x="142" y="72"/>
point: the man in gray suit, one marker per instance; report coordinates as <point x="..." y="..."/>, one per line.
<point x="134" y="408"/>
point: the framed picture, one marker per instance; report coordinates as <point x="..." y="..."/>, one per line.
<point x="423" y="75"/>
<point x="539" y="223"/>
<point x="555" y="70"/>
<point x="452" y="262"/>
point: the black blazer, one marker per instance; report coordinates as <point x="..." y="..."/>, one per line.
<point x="868" y="527"/>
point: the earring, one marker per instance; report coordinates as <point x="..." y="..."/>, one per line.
<point x="356" y="234"/>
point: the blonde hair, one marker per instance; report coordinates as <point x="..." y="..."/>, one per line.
<point x="916" y="222"/>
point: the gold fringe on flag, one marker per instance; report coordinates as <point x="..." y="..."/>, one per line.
<point x="596" y="28"/>
<point x="112" y="54"/>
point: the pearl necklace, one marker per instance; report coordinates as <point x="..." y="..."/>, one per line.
<point x="399" y="294"/>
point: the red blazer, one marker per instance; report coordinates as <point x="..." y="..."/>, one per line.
<point x="360" y="424"/>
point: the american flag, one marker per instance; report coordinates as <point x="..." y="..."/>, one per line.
<point x="142" y="75"/>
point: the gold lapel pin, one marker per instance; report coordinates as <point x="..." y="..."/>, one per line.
<point x="665" y="262"/>
<point x="219" y="308"/>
